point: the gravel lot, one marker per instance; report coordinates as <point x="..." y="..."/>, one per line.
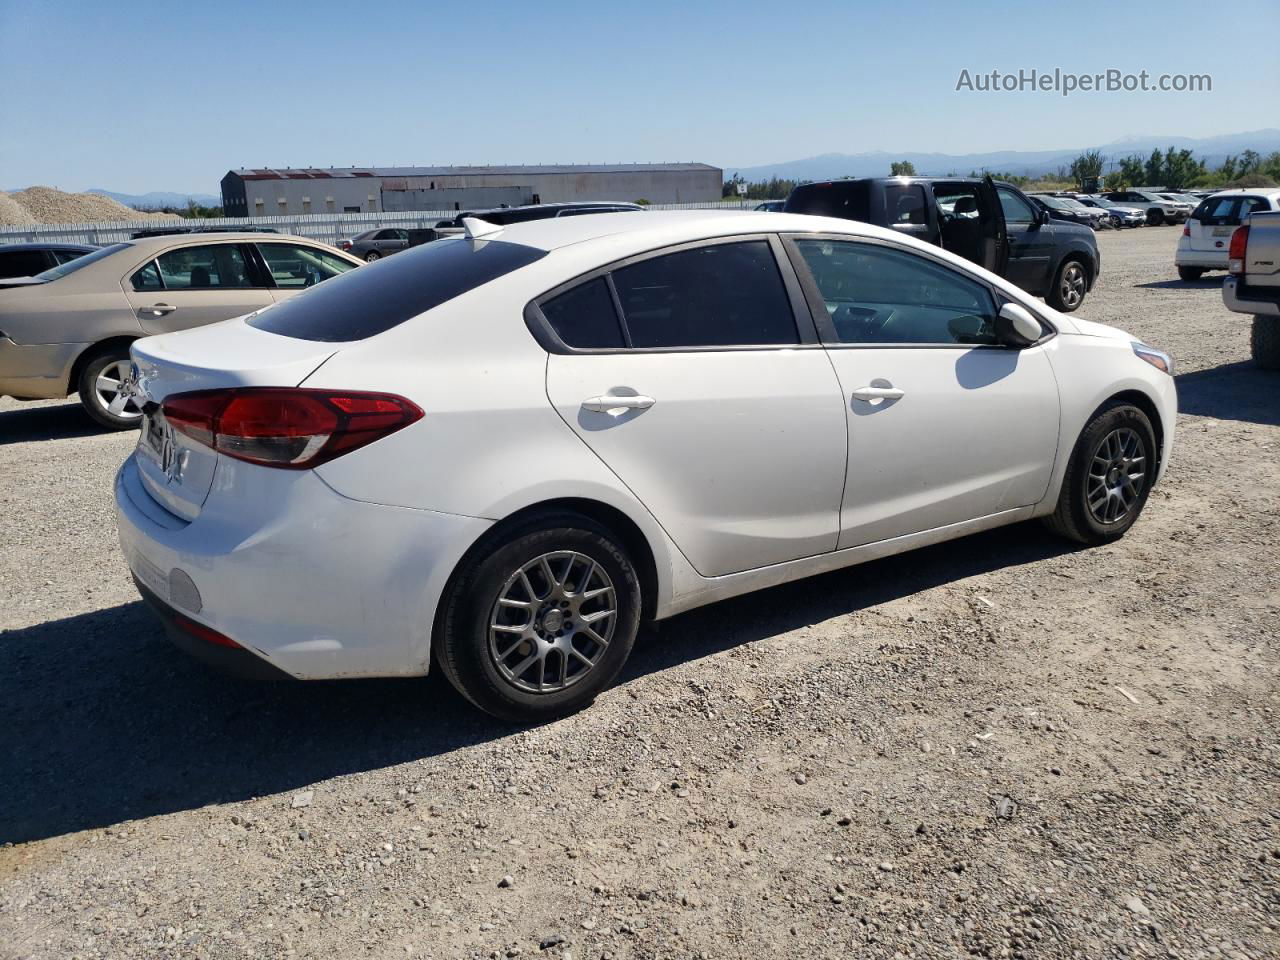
<point x="1002" y="746"/>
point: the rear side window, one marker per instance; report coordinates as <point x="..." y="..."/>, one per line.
<point x="846" y="199"/>
<point x="373" y="299"/>
<point x="584" y="317"/>
<point x="727" y="294"/>
<point x="148" y="278"/>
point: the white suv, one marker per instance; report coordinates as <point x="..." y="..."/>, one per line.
<point x="1206" y="238"/>
<point x="1159" y="209"/>
<point x="499" y="453"/>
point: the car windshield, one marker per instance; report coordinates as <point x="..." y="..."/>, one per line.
<point x="1056" y="202"/>
<point x="71" y="266"/>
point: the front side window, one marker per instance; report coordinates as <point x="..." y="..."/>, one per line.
<point x="221" y="267"/>
<point x="1016" y="210"/>
<point x="292" y="265"/>
<point x="875" y="294"/>
<point x="725" y="294"/>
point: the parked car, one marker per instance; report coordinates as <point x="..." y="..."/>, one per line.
<point x="1158" y="209"/>
<point x="375" y="244"/>
<point x="1066" y="208"/>
<point x="28" y="259"/>
<point x="496" y="454"/>
<point x="68" y="329"/>
<point x="770" y="206"/>
<point x="1206" y="237"/>
<point x="1253" y="282"/>
<point x="1120" y="216"/>
<point x="992" y="224"/>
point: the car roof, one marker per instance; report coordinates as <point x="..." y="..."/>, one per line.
<point x="42" y="245"/>
<point x="1270" y="192"/>
<point x="195" y="239"/>
<point x="657" y="229"/>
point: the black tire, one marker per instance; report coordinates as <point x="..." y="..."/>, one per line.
<point x="1190" y="274"/>
<point x="371" y="256"/>
<point x="1265" y="342"/>
<point x="90" y="397"/>
<point x="1073" y="517"/>
<point x="462" y="638"/>
<point x="1155" y="217"/>
<point x="1070" y="286"/>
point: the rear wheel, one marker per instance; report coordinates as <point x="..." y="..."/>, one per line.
<point x="1266" y="342"/>
<point x="1069" y="286"/>
<point x="1108" y="477"/>
<point x="539" y="622"/>
<point x="102" y="393"/>
<point x="1190" y="273"/>
<point x="371" y="256"/>
<point x="1155" y="217"/>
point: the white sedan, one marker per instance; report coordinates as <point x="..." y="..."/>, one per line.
<point x="499" y="453"/>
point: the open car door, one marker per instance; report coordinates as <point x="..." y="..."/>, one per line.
<point x="995" y="236"/>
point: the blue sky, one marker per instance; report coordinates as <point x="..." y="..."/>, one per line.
<point x="133" y="95"/>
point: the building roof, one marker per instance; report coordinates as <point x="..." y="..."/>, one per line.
<point x="327" y="173"/>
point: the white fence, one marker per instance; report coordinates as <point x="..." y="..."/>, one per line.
<point x="326" y="227"/>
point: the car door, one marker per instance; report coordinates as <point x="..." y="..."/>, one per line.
<point x="695" y="375"/>
<point x="295" y="266"/>
<point x="1030" y="242"/>
<point x="191" y="285"/>
<point x="945" y="425"/>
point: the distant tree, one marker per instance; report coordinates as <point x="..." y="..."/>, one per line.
<point x="1254" y="181"/>
<point x="902" y="168"/>
<point x="1087" y="166"/>
<point x="1131" y="170"/>
<point x="1115" y="180"/>
<point x="730" y="188"/>
<point x="1153" y="169"/>
<point x="1250" y="162"/>
<point x="1179" y="169"/>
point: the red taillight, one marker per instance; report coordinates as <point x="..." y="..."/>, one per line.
<point x="288" y="427"/>
<point x="201" y="632"/>
<point x="1239" y="246"/>
<point x="1186" y="230"/>
<point x="344" y="244"/>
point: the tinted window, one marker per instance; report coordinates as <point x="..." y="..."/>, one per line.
<point x="204" y="268"/>
<point x="719" y="295"/>
<point x="904" y="203"/>
<point x="585" y="317"/>
<point x="874" y="294"/>
<point x="22" y="263"/>
<point x="148" y="278"/>
<point x="368" y="301"/>
<point x="1016" y="210"/>
<point x="79" y="263"/>
<point x="66" y="256"/>
<point x="391" y="235"/>
<point x="848" y="199"/>
<point x="292" y="265"/>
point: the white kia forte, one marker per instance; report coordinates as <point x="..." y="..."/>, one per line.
<point x="498" y="453"/>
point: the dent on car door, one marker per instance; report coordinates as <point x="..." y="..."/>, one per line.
<point x="704" y="398"/>
<point x="194" y="285"/>
<point x="945" y="425"/>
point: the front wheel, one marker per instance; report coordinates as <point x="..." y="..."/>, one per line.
<point x="102" y="390"/>
<point x="1155" y="217"/>
<point x="1108" y="478"/>
<point x="1266" y="342"/>
<point x="1190" y="274"/>
<point x="539" y="622"/>
<point x="1069" y="286"/>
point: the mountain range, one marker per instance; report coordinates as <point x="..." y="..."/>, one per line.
<point x="159" y="198"/>
<point x="1021" y="162"/>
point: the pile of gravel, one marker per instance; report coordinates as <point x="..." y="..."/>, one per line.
<point x="47" y="205"/>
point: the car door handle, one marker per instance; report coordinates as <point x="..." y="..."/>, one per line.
<point x="610" y="402"/>
<point x="878" y="393"/>
<point x="156" y="310"/>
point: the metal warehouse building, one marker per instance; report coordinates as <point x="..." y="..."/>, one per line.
<point x="289" y="191"/>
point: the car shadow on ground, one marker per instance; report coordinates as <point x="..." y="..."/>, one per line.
<point x="1233" y="391"/>
<point x="1204" y="283"/>
<point x="27" y="424"/>
<point x="104" y="721"/>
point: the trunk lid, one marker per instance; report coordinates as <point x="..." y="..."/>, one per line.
<point x="176" y="471"/>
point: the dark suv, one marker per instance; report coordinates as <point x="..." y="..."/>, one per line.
<point x="993" y="224"/>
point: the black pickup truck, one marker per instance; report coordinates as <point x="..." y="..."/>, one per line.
<point x="991" y="223"/>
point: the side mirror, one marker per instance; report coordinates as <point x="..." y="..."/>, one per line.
<point x="1016" y="327"/>
<point x="1043" y="218"/>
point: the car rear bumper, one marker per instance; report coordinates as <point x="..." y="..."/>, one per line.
<point x="37" y="371"/>
<point x="1239" y="298"/>
<point x="317" y="585"/>
<point x="1209" y="259"/>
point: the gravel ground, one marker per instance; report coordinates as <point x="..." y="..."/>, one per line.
<point x="998" y="747"/>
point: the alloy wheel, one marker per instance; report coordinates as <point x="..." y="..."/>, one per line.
<point x="1117" y="475"/>
<point x="552" y="621"/>
<point x="1072" y="285"/>
<point x="111" y="394"/>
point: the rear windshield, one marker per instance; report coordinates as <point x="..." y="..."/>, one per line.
<point x="71" y="266"/>
<point x="849" y="200"/>
<point x="372" y="299"/>
<point x="1227" y="211"/>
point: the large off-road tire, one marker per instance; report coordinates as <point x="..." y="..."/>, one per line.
<point x="1108" y="477"/>
<point x="1265" y="342"/>
<point x="540" y="619"/>
<point x="99" y="386"/>
<point x="1190" y="274"/>
<point x="1070" y="285"/>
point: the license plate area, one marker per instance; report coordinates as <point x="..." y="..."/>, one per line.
<point x="1223" y="231"/>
